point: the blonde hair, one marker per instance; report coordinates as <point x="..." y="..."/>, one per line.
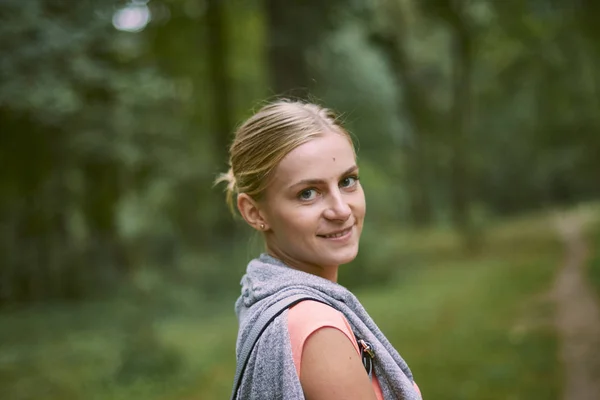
<point x="263" y="140"/>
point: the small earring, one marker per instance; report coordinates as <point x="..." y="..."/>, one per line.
<point x="262" y="227"/>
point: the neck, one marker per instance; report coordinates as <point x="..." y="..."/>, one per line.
<point x="330" y="273"/>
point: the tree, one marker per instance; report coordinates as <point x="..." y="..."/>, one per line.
<point x="453" y="14"/>
<point x="293" y="29"/>
<point x="222" y="126"/>
<point x="77" y="145"/>
<point x="391" y="35"/>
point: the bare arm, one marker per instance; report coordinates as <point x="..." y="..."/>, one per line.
<point x="332" y="369"/>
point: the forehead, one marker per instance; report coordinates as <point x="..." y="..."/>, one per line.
<point x="321" y="158"/>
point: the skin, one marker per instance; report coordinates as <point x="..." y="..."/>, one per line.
<point x="315" y="192"/>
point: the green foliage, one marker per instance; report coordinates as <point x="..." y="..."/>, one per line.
<point x="370" y="113"/>
<point x="112" y="140"/>
<point x="122" y="159"/>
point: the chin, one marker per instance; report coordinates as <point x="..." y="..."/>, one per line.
<point x="341" y="257"/>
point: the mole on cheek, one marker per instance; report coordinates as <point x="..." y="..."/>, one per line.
<point x="333" y="158"/>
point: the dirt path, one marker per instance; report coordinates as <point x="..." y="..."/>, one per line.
<point x="577" y="315"/>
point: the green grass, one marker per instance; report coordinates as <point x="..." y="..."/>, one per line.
<point x="475" y="329"/>
<point x="470" y="327"/>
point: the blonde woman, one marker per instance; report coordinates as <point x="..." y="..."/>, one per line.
<point x="294" y="177"/>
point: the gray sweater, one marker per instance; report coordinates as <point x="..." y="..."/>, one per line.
<point x="270" y="372"/>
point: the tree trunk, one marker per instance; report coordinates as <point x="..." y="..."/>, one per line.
<point x="460" y="115"/>
<point x="417" y="107"/>
<point x="218" y="51"/>
<point x="288" y="34"/>
<point x="459" y="118"/>
<point x="222" y="127"/>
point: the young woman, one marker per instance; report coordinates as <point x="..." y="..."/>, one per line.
<point x="294" y="177"/>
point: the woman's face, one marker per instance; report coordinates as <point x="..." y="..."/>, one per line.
<point x="315" y="206"/>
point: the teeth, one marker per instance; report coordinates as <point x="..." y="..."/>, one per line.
<point x="336" y="235"/>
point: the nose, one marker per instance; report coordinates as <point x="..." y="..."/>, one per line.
<point x="338" y="208"/>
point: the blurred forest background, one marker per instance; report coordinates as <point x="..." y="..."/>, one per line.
<point x="119" y="261"/>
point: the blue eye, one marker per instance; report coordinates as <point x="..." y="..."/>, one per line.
<point x="308" y="194"/>
<point x="349" y="181"/>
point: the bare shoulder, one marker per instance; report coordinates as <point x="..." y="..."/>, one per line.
<point x="332" y="368"/>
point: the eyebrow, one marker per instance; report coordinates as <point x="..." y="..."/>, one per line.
<point x="321" y="181"/>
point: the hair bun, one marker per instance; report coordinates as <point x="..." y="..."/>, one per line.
<point x="231" y="182"/>
<point x="231" y="187"/>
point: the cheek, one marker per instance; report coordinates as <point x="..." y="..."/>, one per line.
<point x="306" y="220"/>
<point x="359" y="204"/>
<point x="294" y="222"/>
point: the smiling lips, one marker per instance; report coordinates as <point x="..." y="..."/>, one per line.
<point x="338" y="234"/>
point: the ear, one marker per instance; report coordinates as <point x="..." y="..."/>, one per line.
<point x="250" y="211"/>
